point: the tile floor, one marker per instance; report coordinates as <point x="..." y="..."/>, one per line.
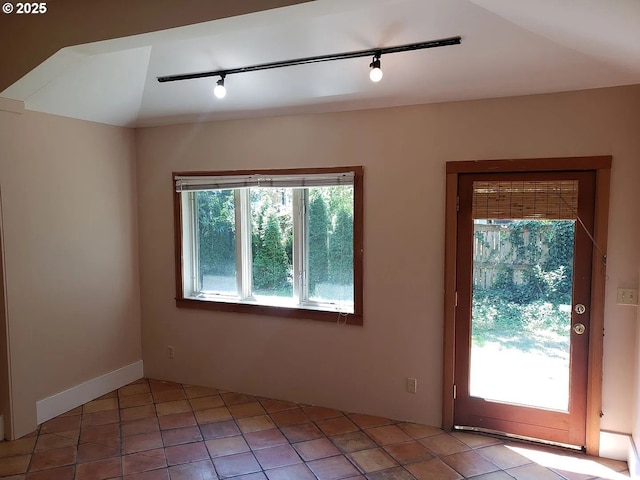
<point x="154" y="430"/>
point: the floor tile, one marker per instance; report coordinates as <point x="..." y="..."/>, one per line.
<point x="58" y="457"/>
<point x="419" y="431"/>
<point x="182" y="435"/>
<point x="14" y="465"/>
<point x="171" y="395"/>
<point x="136" y="413"/>
<point x="408" y="452"/>
<point x="232" y="398"/>
<point x="352" y="442"/>
<point x="22" y="446"/>
<point x="136" y="400"/>
<point x="177" y="406"/>
<point x="202" y="470"/>
<point x="61" y="473"/>
<point x="372" y="460"/>
<point x="499" y="475"/>
<point x="234" y="465"/>
<point x="195" y="392"/>
<point x="177" y="420"/>
<point x="143" y="461"/>
<point x="315" y="449"/>
<point x="100" y="418"/>
<point x="89" y="452"/>
<point x="475" y="440"/>
<point x="100" y="405"/>
<point x="161" y="474"/>
<point x="227" y="428"/>
<point x="337" y="426"/>
<point x="300" y="433"/>
<point x="387" y="435"/>
<point x="532" y="472"/>
<point x="272" y="406"/>
<point x="443" y="444"/>
<point x="274" y="457"/>
<point x="104" y="434"/>
<point x="432" y="469"/>
<point x="332" y="468"/>
<point x="289" y="417"/>
<point x="191" y="452"/>
<point x="220" y="447"/>
<point x="250" y="409"/>
<point x="265" y="439"/>
<point x="255" y="424"/>
<point x="291" y="472"/>
<point x="368" y="421"/>
<point x="123" y="436"/>
<point x="100" y="469"/>
<point x="469" y="464"/>
<point x="61" y="424"/>
<point x="145" y="425"/>
<point x="134" y="389"/>
<point x="321" y="413"/>
<point x="141" y="442"/>
<point x="50" y="441"/>
<point x="503" y="457"/>
<point x="205" y="403"/>
<point x="397" y="473"/>
<point x="212" y="415"/>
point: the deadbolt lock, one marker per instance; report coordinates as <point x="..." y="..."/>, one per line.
<point x="579" y="309"/>
<point x="579" y="328"/>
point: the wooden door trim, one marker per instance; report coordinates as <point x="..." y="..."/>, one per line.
<point x="602" y="167"/>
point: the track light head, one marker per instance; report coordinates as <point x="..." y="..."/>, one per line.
<point x="376" y="72"/>
<point x="219" y="90"/>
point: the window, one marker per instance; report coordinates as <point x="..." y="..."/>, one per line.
<point x="279" y="242"/>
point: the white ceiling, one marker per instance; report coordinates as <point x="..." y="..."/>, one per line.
<point x="509" y="47"/>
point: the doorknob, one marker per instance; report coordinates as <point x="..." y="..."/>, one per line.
<point x="579" y="308"/>
<point x="579" y="328"/>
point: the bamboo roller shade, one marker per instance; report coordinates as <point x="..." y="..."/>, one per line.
<point x="544" y="199"/>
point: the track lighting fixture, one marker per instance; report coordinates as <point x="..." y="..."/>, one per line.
<point x="376" y="72"/>
<point x="220" y="91"/>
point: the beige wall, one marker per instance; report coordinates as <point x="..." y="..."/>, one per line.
<point x="70" y="245"/>
<point x="404" y="151"/>
<point x="5" y="392"/>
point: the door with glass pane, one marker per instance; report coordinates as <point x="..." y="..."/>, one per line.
<point x="523" y="303"/>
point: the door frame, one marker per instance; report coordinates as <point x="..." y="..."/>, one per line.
<point x="602" y="167"/>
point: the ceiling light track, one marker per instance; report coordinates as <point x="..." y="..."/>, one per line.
<point x="376" y="52"/>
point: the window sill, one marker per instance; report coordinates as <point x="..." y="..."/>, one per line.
<point x="270" y="310"/>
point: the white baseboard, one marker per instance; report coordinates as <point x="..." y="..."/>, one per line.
<point x="633" y="461"/>
<point x="614" y="445"/>
<point x="52" y="406"/>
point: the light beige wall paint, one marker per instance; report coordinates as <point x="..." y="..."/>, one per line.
<point x="5" y="391"/>
<point x="28" y="40"/>
<point x="70" y="233"/>
<point x="404" y="151"/>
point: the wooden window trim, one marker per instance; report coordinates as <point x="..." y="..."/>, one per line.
<point x="602" y="166"/>
<point x="355" y="318"/>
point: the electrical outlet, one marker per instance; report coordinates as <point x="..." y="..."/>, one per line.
<point x="627" y="296"/>
<point x="412" y="385"/>
<point x="170" y="353"/>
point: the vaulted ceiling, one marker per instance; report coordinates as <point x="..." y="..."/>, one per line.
<point x="508" y="48"/>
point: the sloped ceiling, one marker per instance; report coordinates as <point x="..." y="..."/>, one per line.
<point x="509" y="48"/>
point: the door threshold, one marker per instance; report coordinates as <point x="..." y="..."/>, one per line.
<point x="520" y="438"/>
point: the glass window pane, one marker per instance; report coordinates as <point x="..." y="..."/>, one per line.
<point x="272" y="242"/>
<point x="217" y="241"/>
<point x="330" y="246"/>
<point x="521" y="315"/>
